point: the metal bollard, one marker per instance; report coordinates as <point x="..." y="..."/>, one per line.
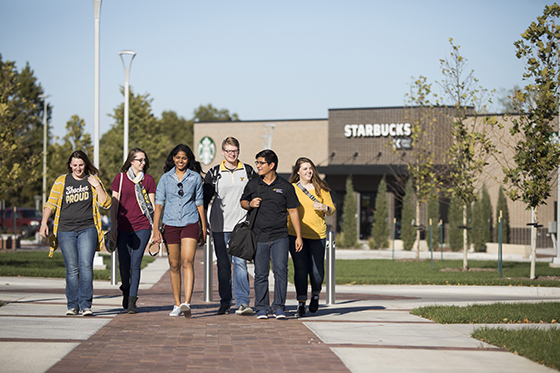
<point x="330" y="270"/>
<point x="114" y="273"/>
<point x="208" y="266"/>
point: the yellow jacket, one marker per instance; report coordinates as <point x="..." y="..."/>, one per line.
<point x="55" y="202"/>
<point x="312" y="221"/>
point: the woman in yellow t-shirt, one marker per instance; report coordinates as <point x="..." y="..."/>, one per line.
<point x="315" y="202"/>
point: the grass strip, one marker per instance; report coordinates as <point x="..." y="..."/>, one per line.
<point x="497" y="313"/>
<point x="384" y="271"/>
<point x="38" y="264"/>
<point x="541" y="346"/>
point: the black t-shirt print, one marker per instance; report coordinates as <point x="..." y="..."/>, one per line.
<point x="76" y="212"/>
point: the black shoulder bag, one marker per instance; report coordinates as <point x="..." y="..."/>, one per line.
<point x="243" y="241"/>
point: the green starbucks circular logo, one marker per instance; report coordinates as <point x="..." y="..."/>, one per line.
<point x="206" y="150"/>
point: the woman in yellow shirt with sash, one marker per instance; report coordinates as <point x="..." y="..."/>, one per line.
<point x="316" y="202"/>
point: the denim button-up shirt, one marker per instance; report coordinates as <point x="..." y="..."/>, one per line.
<point x="180" y="211"/>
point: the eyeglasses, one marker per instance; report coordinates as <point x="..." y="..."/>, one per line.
<point x="143" y="160"/>
<point x="231" y="151"/>
<point x="180" y="185"/>
<point x="258" y="163"/>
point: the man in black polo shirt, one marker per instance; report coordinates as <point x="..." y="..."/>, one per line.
<point x="275" y="199"/>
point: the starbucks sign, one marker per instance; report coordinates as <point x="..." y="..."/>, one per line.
<point x="206" y="150"/>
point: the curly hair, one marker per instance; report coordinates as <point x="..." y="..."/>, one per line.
<point x="192" y="163"/>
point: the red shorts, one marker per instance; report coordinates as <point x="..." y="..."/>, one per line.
<point x="174" y="235"/>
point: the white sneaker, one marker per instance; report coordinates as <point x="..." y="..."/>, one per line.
<point x="87" y="312"/>
<point x="185" y="309"/>
<point x="244" y="310"/>
<point x="72" y="312"/>
<point x="176" y="311"/>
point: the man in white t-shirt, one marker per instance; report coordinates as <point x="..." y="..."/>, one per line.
<point x="225" y="183"/>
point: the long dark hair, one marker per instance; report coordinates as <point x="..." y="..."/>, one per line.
<point x="131" y="155"/>
<point x="90" y="168"/>
<point x="318" y="183"/>
<point x="192" y="163"/>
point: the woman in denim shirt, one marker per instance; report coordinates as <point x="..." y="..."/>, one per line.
<point x="180" y="191"/>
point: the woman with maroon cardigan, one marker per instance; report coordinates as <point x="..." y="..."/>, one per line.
<point x="132" y="220"/>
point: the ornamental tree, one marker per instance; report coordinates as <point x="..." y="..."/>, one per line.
<point x="421" y="165"/>
<point x="471" y="144"/>
<point x="380" y="225"/>
<point x="536" y="155"/>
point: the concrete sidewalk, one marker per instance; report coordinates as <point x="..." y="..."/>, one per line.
<point x="369" y="329"/>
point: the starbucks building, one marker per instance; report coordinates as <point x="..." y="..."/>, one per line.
<point x="366" y="144"/>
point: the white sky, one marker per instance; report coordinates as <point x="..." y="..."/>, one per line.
<point x="263" y="60"/>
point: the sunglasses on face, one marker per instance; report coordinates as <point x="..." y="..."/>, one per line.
<point x="180" y="186"/>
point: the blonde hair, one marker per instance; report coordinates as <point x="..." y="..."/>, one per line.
<point x="230" y="141"/>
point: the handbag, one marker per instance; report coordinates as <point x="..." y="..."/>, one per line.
<point x="242" y="242"/>
<point x="111" y="245"/>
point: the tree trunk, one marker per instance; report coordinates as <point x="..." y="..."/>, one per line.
<point x="465" y="239"/>
<point x="534" y="221"/>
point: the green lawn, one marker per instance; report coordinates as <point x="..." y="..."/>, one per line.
<point x="38" y="264"/>
<point x="497" y="313"/>
<point x="383" y="271"/>
<point x="542" y="346"/>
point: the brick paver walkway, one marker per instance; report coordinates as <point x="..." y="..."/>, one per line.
<point x="152" y="341"/>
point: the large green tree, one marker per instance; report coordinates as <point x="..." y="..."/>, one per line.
<point x="536" y="156"/>
<point x="75" y="139"/>
<point x="144" y="132"/>
<point x="156" y="136"/>
<point x="471" y="144"/>
<point x="21" y="134"/>
<point x="208" y="113"/>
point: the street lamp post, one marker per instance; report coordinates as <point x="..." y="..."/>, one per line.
<point x="97" y="260"/>
<point x="126" y="93"/>
<point x="44" y="191"/>
<point x="97" y="14"/>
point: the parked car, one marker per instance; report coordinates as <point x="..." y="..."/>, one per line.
<point x="28" y="220"/>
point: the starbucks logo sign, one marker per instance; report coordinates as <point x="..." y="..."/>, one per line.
<point x="206" y="150"/>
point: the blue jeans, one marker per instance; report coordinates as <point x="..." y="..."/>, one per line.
<point x="277" y="251"/>
<point x="78" y="249"/>
<point x="131" y="246"/>
<point x="241" y="286"/>
<point x="310" y="261"/>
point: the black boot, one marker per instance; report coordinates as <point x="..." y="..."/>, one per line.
<point x="125" y="293"/>
<point x="132" y="304"/>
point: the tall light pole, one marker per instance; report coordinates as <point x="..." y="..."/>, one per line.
<point x="126" y="93"/>
<point x="97" y="260"/>
<point x="556" y="261"/>
<point x="96" y="14"/>
<point x="44" y="191"/>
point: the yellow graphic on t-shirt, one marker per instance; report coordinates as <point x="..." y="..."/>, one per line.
<point x="77" y="194"/>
